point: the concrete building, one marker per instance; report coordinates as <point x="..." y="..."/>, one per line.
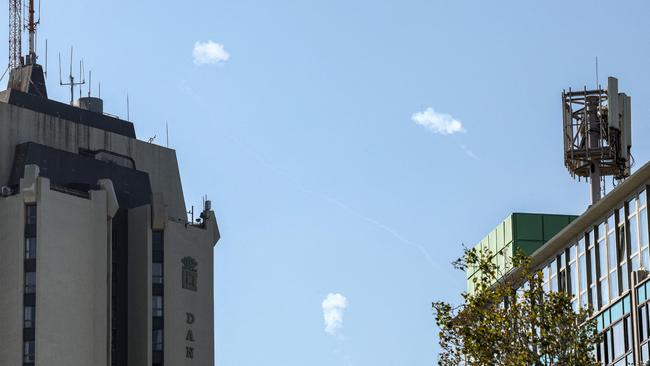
<point x="601" y="258"/>
<point x="98" y="262"/>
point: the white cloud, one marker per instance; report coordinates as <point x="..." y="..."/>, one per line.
<point x="441" y="123"/>
<point x="209" y="53"/>
<point x="333" y="307"/>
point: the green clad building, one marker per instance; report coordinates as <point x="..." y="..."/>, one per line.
<point x="525" y="232"/>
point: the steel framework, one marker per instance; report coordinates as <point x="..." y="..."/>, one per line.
<point x="592" y="145"/>
<point x="15" y="33"/>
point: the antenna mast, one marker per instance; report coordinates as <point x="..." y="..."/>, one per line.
<point x="31" y="27"/>
<point x="72" y="83"/>
<point x="15" y="33"/>
<point x="597" y="134"/>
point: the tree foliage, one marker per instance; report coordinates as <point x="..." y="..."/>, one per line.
<point x="504" y="323"/>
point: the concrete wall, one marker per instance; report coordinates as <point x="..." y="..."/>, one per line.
<point x="71" y="279"/>
<point x="19" y="125"/>
<point x="140" y="286"/>
<point x="12" y="213"/>
<point x="182" y="241"/>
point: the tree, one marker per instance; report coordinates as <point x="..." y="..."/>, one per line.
<point x="513" y="322"/>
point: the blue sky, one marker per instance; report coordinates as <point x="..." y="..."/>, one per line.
<point x="304" y="139"/>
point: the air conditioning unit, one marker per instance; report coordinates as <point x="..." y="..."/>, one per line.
<point x="5" y="191"/>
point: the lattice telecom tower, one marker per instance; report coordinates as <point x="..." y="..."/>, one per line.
<point x="15" y="33"/>
<point x="597" y="134"/>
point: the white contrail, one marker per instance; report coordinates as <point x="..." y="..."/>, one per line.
<point x="394" y="233"/>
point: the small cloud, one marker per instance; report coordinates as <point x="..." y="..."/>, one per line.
<point x="209" y="53"/>
<point x="333" y="307"/>
<point x="440" y="123"/>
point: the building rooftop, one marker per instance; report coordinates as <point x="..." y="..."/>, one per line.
<point x="65" y="111"/>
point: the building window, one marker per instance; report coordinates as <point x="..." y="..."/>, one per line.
<point x="157" y="244"/>
<point x="562" y="281"/>
<point x="604" y="291"/>
<point x="29" y="313"/>
<point x="30" y="215"/>
<point x="30" y="282"/>
<point x="157" y="340"/>
<point x="29" y="317"/>
<point x="157" y="273"/>
<point x="611" y="251"/>
<point x="157" y="300"/>
<point x="30" y="248"/>
<point x="157" y="306"/>
<point x="28" y="351"/>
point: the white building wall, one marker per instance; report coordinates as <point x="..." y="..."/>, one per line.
<point x="183" y="241"/>
<point x="12" y="213"/>
<point x="72" y="320"/>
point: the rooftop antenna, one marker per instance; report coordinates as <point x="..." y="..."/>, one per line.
<point x="90" y="82"/>
<point x="45" y="73"/>
<point x="128" y="108"/>
<point x="597" y="79"/>
<point x="15" y="34"/>
<point x="82" y="76"/>
<point x="167" y="132"/>
<point x="72" y="83"/>
<point x="597" y="134"/>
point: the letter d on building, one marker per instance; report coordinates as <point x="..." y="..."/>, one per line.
<point x="190" y="318"/>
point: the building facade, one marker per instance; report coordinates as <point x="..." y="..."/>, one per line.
<point x="601" y="258"/>
<point x="99" y="264"/>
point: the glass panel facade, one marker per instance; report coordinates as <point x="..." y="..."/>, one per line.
<point x="596" y="269"/>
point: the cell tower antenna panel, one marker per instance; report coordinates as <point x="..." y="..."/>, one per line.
<point x="15" y="33"/>
<point x="597" y="137"/>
